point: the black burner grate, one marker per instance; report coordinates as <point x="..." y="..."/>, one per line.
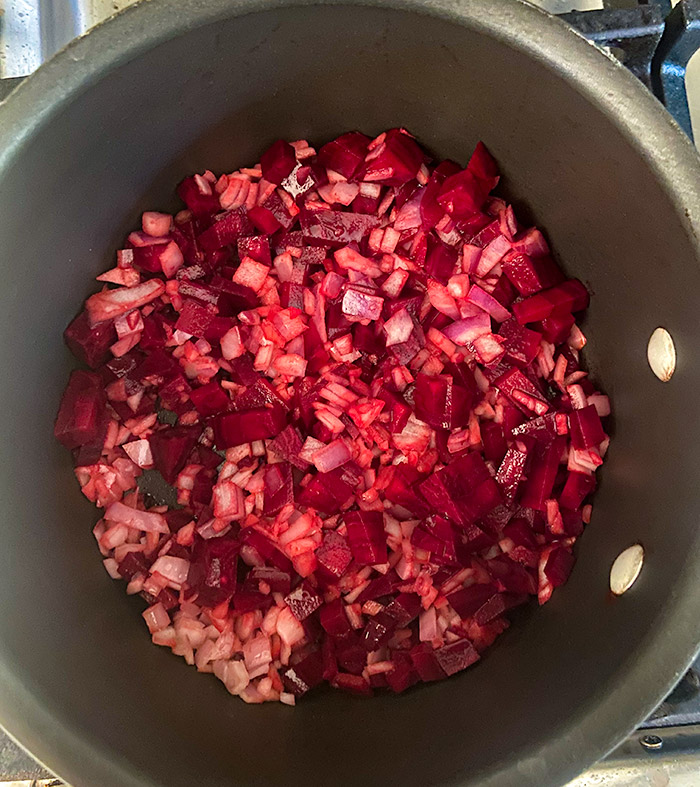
<point x="654" y="40"/>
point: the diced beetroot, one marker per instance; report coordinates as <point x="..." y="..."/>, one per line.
<point x="440" y="403"/>
<point x="157" y="364"/>
<point x="480" y="229"/>
<point x="366" y="340"/>
<point x="531" y="274"/>
<point x="198" y="198"/>
<point x="543" y="428"/>
<point x="256" y="424"/>
<point x="133" y="563"/>
<point x="174" y="394"/>
<point x="350" y="653"/>
<point x="304" y="675"/>
<point x="381" y="585"/>
<point x="463" y="491"/>
<point x="557" y="328"/>
<point x="210" y="399"/>
<point x="504" y="292"/>
<point x="171" y="447"/>
<point x="456" y="656"/>
<point x="333" y="555"/>
<point x="467" y="601"/>
<point x="483" y="165"/>
<point x="397" y="407"/>
<point x="494" y="441"/>
<point x="436" y="536"/>
<point x="82" y="416"/>
<point x="532" y="243"/>
<point x="366" y="537"/>
<point x="515" y="385"/>
<point x="403" y="676"/>
<point x="511" y="576"/>
<point x="256" y="247"/>
<point x="266" y="549"/>
<point x="333" y="618"/>
<point x="404" y="608"/>
<point x="184" y="233"/>
<point x="472" y="540"/>
<point x="398" y="161"/>
<point x="250" y="600"/>
<point x="511" y="473"/>
<point x="259" y="393"/>
<point x="279" y="210"/>
<point x="330" y="665"/>
<point x="498" y="605"/>
<point x="402" y="490"/>
<point x="326" y="492"/>
<point x="426" y="664"/>
<point x="378" y="631"/>
<point x="543" y="471"/>
<point x="218" y="328"/>
<point x="572" y="522"/>
<point x="226" y="229"/>
<point x="278" y="581"/>
<point x="150" y="258"/>
<point x="586" y="428"/>
<point x="303" y="601"/>
<point x="532" y="309"/>
<point x="279" y="490"/>
<point x="194" y="319"/>
<point x="558" y="566"/>
<point x="264" y="220"/>
<point x="577" y="487"/>
<point x="345" y="154"/>
<point x="518" y="530"/>
<point x="463" y="194"/>
<point x="441" y="260"/>
<point x="242" y="371"/>
<point x="278" y="161"/>
<point x="287" y="445"/>
<point x="153" y="335"/>
<point x="202" y="489"/>
<point x="430" y="210"/>
<point x="521" y="344"/>
<point x="566" y="298"/>
<point x="232" y="296"/>
<point x="212" y="572"/>
<point x="90" y="344"/>
<point x="353" y="684"/>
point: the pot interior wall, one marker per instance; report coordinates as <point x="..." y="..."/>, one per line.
<point x="214" y="98"/>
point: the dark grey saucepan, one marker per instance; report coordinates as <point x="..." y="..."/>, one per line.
<point x="167" y="88"/>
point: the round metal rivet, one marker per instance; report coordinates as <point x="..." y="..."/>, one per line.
<point x="661" y="354"/>
<point x="651" y="742"/>
<point x="626" y="568"/>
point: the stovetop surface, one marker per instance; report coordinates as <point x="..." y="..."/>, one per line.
<point x="665" y="750"/>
